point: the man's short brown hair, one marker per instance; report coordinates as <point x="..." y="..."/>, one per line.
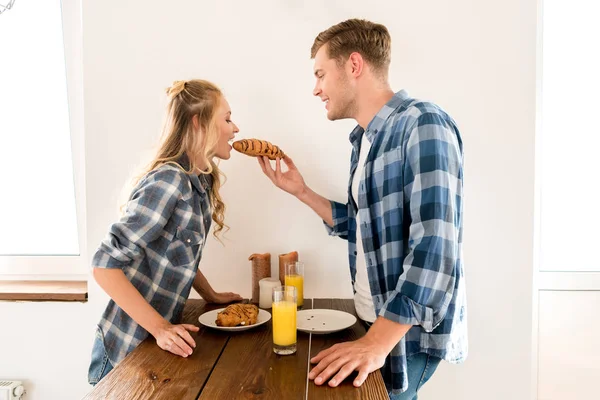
<point x="371" y="40"/>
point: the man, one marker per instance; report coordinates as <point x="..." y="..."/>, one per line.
<point x="403" y="218"/>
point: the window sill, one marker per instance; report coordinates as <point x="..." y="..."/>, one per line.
<point x="43" y="290"/>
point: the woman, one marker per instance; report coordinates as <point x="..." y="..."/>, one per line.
<point x="149" y="260"/>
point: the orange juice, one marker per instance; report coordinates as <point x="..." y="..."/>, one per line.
<point x="284" y="323"/>
<point x="298" y="282"/>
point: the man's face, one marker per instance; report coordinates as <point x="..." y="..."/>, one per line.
<point x="334" y="86"/>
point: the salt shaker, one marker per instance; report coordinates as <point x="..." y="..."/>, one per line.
<point x="266" y="291"/>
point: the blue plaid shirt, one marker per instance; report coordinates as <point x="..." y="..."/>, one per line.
<point x="410" y="208"/>
<point x="158" y="244"/>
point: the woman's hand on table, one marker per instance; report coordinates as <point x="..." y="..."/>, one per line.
<point x="223" y="298"/>
<point x="176" y="339"/>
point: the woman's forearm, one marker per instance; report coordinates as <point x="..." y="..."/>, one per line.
<point x="117" y="286"/>
<point x="202" y="286"/>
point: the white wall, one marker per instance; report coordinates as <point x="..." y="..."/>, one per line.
<point x="568" y="347"/>
<point x="476" y="59"/>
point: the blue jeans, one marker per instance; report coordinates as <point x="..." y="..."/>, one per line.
<point x="100" y="365"/>
<point x="421" y="367"/>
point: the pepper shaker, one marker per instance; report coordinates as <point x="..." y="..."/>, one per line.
<point x="261" y="268"/>
<point x="284" y="259"/>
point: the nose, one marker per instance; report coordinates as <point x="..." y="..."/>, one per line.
<point x="235" y="128"/>
<point x="316" y="90"/>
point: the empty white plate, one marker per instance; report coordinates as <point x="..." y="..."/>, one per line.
<point x="209" y="318"/>
<point x="322" y="321"/>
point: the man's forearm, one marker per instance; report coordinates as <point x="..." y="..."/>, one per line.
<point x="387" y="333"/>
<point x="319" y="204"/>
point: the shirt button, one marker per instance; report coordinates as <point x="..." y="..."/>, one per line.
<point x="189" y="240"/>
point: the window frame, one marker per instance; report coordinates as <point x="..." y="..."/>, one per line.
<point x="72" y="267"/>
<point x="546" y="278"/>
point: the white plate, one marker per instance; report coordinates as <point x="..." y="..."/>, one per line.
<point x="208" y="319"/>
<point x="321" y="321"/>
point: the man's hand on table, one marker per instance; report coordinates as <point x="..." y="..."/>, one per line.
<point x="362" y="355"/>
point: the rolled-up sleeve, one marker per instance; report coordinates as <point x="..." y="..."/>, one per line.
<point x="147" y="212"/>
<point x="432" y="171"/>
<point x="339" y="213"/>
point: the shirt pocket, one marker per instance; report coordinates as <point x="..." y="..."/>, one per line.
<point x="386" y="172"/>
<point x="184" y="248"/>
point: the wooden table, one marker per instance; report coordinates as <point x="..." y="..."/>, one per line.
<point x="234" y="365"/>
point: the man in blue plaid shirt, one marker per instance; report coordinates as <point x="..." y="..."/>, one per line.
<point x="403" y="219"/>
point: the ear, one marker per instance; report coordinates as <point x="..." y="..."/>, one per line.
<point x="356" y="64"/>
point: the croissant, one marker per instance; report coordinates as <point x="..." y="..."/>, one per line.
<point x="258" y="148"/>
<point x="237" y="315"/>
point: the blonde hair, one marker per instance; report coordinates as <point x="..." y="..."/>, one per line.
<point x="179" y="137"/>
<point x="371" y="40"/>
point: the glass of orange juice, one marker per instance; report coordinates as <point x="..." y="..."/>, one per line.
<point x="294" y="276"/>
<point x="284" y="320"/>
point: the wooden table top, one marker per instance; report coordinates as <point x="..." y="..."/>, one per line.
<point x="234" y="365"/>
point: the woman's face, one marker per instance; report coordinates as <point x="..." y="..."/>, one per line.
<point x="226" y="129"/>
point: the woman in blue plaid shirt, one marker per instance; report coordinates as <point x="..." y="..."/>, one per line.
<point x="148" y="262"/>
